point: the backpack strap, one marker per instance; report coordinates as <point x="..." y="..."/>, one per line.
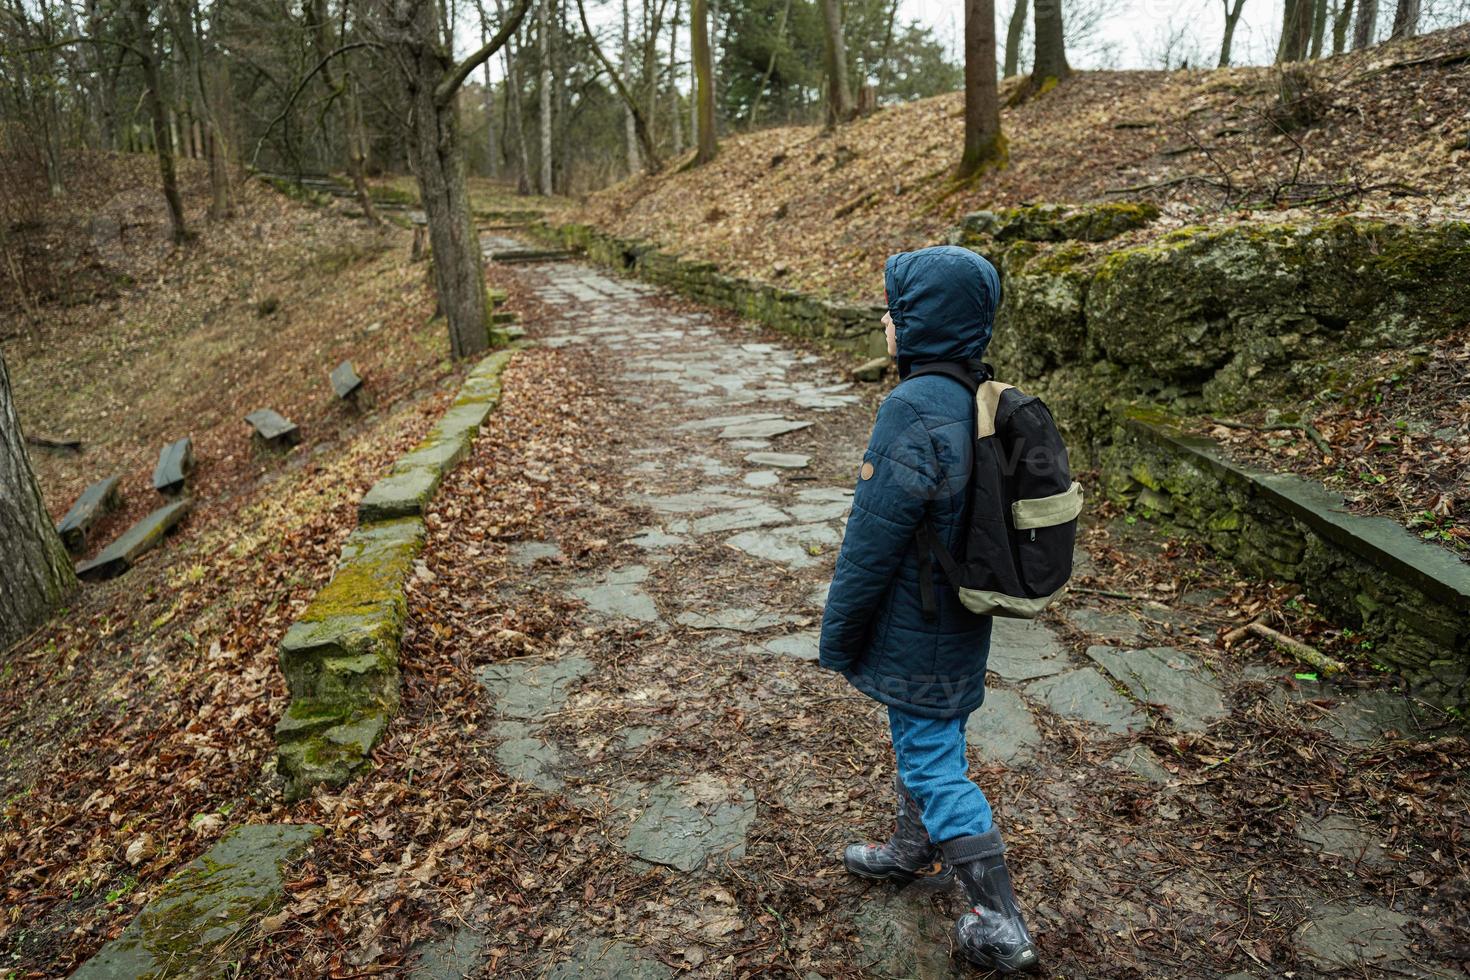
<point x="930" y="547"/>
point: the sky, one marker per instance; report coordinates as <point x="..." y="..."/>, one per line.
<point x="1135" y="34"/>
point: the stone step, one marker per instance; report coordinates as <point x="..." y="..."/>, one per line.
<point x="175" y="463"/>
<point x="100" y="498"/>
<point x="273" y="429"/>
<point x="345" y="381"/>
<point x="122" y="553"/>
<point x="520" y="255"/>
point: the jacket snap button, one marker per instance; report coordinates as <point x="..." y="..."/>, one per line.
<point x="867" y="471"/>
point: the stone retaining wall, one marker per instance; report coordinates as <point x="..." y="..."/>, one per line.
<point x="1411" y="599"/>
<point x="340" y="658"/>
<point x="849" y="327"/>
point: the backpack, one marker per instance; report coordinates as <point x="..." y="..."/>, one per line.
<point x="1023" y="506"/>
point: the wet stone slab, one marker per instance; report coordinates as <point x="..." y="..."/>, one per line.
<point x="532" y="688"/>
<point x="797" y="546"/>
<point x="1168" y="677"/>
<point x="1023" y="650"/>
<point x="452" y="957"/>
<point x="604" y="960"/>
<point x="1140" y="761"/>
<point x="1099" y="624"/>
<point x="684" y="824"/>
<point x="1360" y="938"/>
<point x="739" y="618"/>
<point x="821" y="504"/>
<point x="656" y="539"/>
<point x="525" y="757"/>
<point x="781" y="461"/>
<point x="759" y="515"/>
<point x="185" y="929"/>
<point x="620" y="592"/>
<point x="1003" y="730"/>
<point x="764" y="429"/>
<point x="801" y="646"/>
<point x="1085" y="695"/>
<point x="902" y="934"/>
<point x="525" y="553"/>
<point x="1345" y="838"/>
<point x="1378" y="715"/>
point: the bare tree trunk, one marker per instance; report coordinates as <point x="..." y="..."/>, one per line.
<point x="492" y="151"/>
<point x="357" y="150"/>
<point x="985" y="146"/>
<point x="1319" y="27"/>
<point x="1296" y="31"/>
<point x="1340" y="25"/>
<point x="543" y="51"/>
<point x="704" y="95"/>
<point x="1232" y="18"/>
<point x="760" y="90"/>
<point x="432" y="79"/>
<point x="1050" y="63"/>
<point x="630" y="129"/>
<point x="1014" y="31"/>
<point x="35" y="572"/>
<point x="513" y="107"/>
<point x="153" y="95"/>
<point x="1366" y="25"/>
<point x="1406" y="19"/>
<point x="839" y="93"/>
<point x="676" y="118"/>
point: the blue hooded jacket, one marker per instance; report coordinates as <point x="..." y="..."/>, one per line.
<point x="942" y="301"/>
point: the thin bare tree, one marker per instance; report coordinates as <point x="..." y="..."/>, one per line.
<point x="704" y="83"/>
<point x="1366" y="25"/>
<point x="1232" y="18"/>
<point x="985" y="145"/>
<point x="1049" y="64"/>
<point x="1014" y="31"/>
<point x="1406" y="19"/>
<point x="839" y="93"/>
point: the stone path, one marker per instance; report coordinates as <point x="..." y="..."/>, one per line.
<point x="717" y="751"/>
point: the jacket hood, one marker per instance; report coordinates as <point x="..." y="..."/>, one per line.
<point x="942" y="301"/>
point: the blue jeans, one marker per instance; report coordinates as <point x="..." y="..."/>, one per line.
<point x="931" y="762"/>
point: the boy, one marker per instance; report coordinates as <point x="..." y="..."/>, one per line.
<point x="928" y="670"/>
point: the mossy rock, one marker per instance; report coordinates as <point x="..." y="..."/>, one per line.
<point x="327" y="756"/>
<point x="190" y="927"/>
<point x="1057" y="222"/>
<point x="376" y="561"/>
<point x="1202" y="301"/>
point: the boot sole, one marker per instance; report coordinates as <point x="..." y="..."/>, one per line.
<point x="1022" y="961"/>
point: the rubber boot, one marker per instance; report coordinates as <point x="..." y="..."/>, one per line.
<point x="906" y="856"/>
<point x="992" y="935"/>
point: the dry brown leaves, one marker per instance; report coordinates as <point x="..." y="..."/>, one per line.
<point x="821" y="210"/>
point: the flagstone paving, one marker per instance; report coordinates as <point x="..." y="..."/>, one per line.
<point x="722" y="761"/>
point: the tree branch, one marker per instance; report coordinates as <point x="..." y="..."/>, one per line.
<point x="450" y="85"/>
<point x="300" y="88"/>
<point x="640" y="125"/>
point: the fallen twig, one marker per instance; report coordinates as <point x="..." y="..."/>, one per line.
<point x="1160" y="185"/>
<point x="1304" y="427"/>
<point x="1302" y="651"/>
<point x="71" y="445"/>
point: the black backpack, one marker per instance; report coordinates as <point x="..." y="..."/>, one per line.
<point x="1023" y="505"/>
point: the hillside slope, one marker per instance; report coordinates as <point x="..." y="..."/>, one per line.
<point x="818" y="210"/>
